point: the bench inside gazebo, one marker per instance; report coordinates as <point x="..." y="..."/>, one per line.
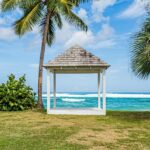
<point x="76" y="60"/>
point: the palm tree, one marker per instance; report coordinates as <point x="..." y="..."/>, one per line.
<point x="141" y="51"/>
<point x="47" y="14"/>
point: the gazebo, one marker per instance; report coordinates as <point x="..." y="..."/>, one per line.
<point x="76" y="60"/>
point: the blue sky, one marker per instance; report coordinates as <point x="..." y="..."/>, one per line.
<point x="112" y="23"/>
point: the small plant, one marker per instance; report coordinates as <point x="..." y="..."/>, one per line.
<point x="16" y="95"/>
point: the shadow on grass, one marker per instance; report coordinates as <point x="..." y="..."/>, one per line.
<point x="130" y="116"/>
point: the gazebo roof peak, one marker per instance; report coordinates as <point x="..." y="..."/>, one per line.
<point x="76" y="56"/>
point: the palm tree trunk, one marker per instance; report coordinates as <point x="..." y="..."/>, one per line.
<point x="40" y="77"/>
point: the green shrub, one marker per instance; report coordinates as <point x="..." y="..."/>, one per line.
<point x="16" y="95"/>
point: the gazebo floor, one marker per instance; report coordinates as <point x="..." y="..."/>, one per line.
<point x="76" y="111"/>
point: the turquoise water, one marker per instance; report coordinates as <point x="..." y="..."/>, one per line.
<point x="130" y="102"/>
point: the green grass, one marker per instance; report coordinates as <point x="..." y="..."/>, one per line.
<point x="32" y="130"/>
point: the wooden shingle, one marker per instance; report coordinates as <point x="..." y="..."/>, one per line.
<point x="76" y="56"/>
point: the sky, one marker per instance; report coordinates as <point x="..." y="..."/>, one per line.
<point x="111" y="26"/>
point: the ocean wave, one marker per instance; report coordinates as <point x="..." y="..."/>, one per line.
<point x="72" y="100"/>
<point x="109" y="95"/>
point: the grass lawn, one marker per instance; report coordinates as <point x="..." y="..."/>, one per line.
<point x="32" y="130"/>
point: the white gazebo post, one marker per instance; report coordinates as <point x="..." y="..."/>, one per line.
<point x="54" y="89"/>
<point x="48" y="91"/>
<point x="99" y="104"/>
<point x="104" y="91"/>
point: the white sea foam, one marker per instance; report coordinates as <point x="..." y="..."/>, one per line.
<point x="110" y="95"/>
<point x="128" y="95"/>
<point x="72" y="100"/>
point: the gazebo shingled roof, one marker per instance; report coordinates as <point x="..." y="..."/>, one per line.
<point x="76" y="56"/>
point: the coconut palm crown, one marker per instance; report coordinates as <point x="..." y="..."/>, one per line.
<point x="47" y="14"/>
<point x="140" y="60"/>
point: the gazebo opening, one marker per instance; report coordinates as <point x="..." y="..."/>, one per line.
<point x="77" y="60"/>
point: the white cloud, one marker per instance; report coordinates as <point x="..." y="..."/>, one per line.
<point x="6" y="20"/>
<point x="7" y="34"/>
<point x="101" y="39"/>
<point x="136" y="9"/>
<point x="10" y="17"/>
<point x="98" y="8"/>
<point x="64" y="34"/>
<point x="82" y="13"/>
<point x="102" y="5"/>
<point x="80" y="38"/>
<point x="69" y="36"/>
<point x="106" y="32"/>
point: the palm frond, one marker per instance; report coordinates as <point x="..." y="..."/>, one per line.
<point x="141" y="63"/>
<point x="74" y="3"/>
<point x="75" y="20"/>
<point x="30" y="18"/>
<point x="12" y="4"/>
<point x="9" y="4"/>
<point x="57" y="20"/>
<point x="78" y="2"/>
<point x="140" y="59"/>
<point x="51" y="33"/>
<point x="51" y="30"/>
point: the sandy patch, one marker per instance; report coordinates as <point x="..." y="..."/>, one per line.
<point x="88" y="137"/>
<point x="98" y="148"/>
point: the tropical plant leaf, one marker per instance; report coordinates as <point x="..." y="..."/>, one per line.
<point x="9" y="4"/>
<point x="31" y="17"/>
<point x="140" y="59"/>
<point x="16" y="95"/>
<point x="57" y="20"/>
<point x="75" y="20"/>
<point x="51" y="33"/>
<point x="12" y="4"/>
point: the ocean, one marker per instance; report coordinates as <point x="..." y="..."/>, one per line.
<point x="114" y="101"/>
